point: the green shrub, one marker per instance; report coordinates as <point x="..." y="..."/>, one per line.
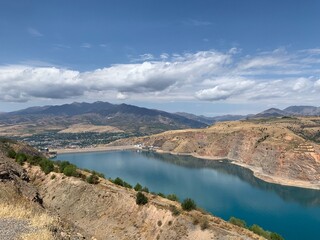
<point x="259" y="230"/>
<point x="21" y="158"/>
<point x="34" y="160"/>
<point x="188" y="204"/>
<point x="53" y="176"/>
<point x="62" y="165"/>
<point x="275" y="236"/>
<point x="161" y="195"/>
<point x="46" y="166"/>
<point x="118" y="181"/>
<point x="173" y="197"/>
<point x="127" y="185"/>
<point x="145" y="189"/>
<point x="93" y="179"/>
<point x="138" y="187"/>
<point x="141" y="199"/>
<point x="70" y="170"/>
<point x="175" y="211"/>
<point x="238" y="222"/>
<point x="11" y="153"/>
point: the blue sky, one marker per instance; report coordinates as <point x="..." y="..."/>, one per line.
<point x="205" y="57"/>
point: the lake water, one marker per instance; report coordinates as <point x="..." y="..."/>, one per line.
<point x="221" y="188"/>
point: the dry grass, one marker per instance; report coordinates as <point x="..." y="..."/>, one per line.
<point x="39" y="222"/>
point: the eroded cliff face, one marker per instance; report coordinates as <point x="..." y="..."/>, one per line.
<point x="105" y="210"/>
<point x="272" y="151"/>
<point x="108" y="211"/>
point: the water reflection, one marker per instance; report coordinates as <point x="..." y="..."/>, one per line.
<point x="305" y="197"/>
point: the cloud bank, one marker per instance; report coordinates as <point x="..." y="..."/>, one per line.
<point x="205" y="75"/>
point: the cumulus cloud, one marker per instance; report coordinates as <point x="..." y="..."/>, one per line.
<point x="205" y="75"/>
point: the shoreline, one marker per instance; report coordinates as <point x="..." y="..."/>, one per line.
<point x="95" y="149"/>
<point x="255" y="171"/>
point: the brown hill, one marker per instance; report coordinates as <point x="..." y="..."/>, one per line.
<point x="281" y="150"/>
<point x="54" y="206"/>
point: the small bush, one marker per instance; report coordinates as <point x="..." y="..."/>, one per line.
<point x="70" y="170"/>
<point x="46" y="166"/>
<point x="21" y="158"/>
<point x="204" y="225"/>
<point x="138" y="187"/>
<point x="145" y="189"/>
<point x="62" y="165"/>
<point x="98" y="174"/>
<point x="275" y="236"/>
<point x="173" y="197"/>
<point x="175" y="211"/>
<point x="159" y="223"/>
<point x="11" y="153"/>
<point x="238" y="222"/>
<point x="188" y="204"/>
<point x="118" y="181"/>
<point x="161" y="195"/>
<point x="35" y="160"/>
<point x="141" y="199"/>
<point x="259" y="230"/>
<point x="53" y="176"/>
<point x="127" y="185"/>
<point x="93" y="179"/>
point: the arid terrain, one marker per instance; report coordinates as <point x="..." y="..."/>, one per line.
<point x="71" y="208"/>
<point x="279" y="150"/>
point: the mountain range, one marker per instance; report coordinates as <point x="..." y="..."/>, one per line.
<point x="130" y="118"/>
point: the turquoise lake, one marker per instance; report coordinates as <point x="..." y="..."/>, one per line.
<point x="219" y="187"/>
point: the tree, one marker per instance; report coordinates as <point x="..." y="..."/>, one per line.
<point x="93" y="179"/>
<point x="46" y="166"/>
<point x="70" y="170"/>
<point x="141" y="199"/>
<point x="188" y="204"/>
<point x="138" y="187"/>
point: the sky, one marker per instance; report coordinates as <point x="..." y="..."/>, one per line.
<point x="198" y="56"/>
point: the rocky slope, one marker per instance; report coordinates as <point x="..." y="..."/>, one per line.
<point x="271" y="148"/>
<point x="105" y="210"/>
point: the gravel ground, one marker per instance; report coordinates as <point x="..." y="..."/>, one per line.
<point x="11" y="229"/>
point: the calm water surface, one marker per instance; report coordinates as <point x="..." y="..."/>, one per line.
<point x="219" y="187"/>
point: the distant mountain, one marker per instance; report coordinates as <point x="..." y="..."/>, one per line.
<point x="303" y="110"/>
<point x="289" y="111"/>
<point x="212" y="120"/>
<point x="126" y="117"/>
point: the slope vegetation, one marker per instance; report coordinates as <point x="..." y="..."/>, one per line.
<point x="71" y="208"/>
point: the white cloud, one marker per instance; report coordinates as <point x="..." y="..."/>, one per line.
<point x="317" y="84"/>
<point x="301" y="84"/>
<point x="121" y="96"/>
<point x="86" y="45"/>
<point x="205" y="75"/>
<point x="34" y="32"/>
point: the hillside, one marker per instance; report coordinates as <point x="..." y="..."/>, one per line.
<point x="128" y="118"/>
<point x="289" y="111"/>
<point x="284" y="151"/>
<point x="71" y="208"/>
<point x="87" y="124"/>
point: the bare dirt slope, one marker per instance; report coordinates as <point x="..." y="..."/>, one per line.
<point x="277" y="151"/>
<point x="75" y="209"/>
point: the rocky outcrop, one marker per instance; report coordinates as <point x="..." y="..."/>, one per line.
<point x="271" y="150"/>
